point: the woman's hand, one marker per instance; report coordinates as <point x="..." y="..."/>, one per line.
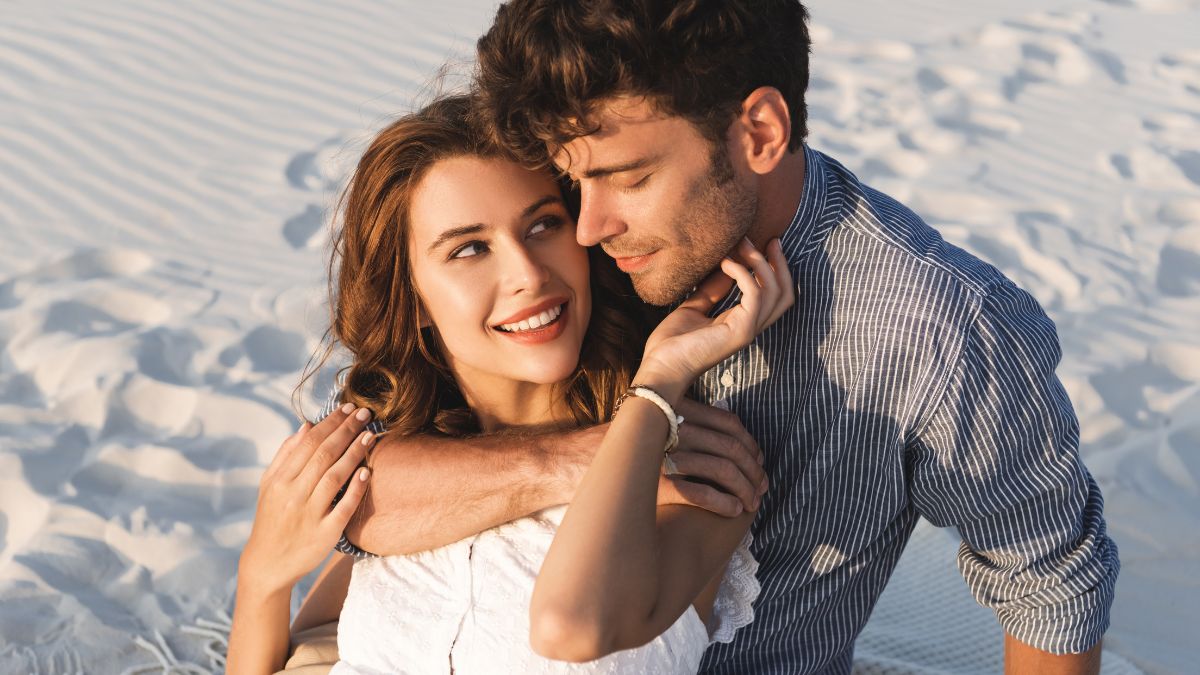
<point x="689" y="342"/>
<point x="296" y="525"/>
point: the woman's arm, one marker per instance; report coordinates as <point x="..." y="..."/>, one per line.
<point x="327" y="595"/>
<point x="620" y="572"/>
<point x="294" y="529"/>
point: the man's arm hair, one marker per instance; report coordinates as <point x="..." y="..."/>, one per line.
<point x="1020" y="658"/>
<point x="429" y="491"/>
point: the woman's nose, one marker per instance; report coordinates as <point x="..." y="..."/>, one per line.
<point x="525" y="270"/>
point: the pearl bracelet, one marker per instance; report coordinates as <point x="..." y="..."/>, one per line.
<point x="673" y="420"/>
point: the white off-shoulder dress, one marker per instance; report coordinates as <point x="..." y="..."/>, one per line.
<point x="464" y="609"/>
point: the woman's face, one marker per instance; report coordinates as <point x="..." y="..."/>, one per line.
<point x="498" y="270"/>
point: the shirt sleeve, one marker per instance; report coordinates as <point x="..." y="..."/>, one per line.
<point x="344" y="545"/>
<point x="999" y="460"/>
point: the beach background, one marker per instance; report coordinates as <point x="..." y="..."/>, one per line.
<point x="167" y="173"/>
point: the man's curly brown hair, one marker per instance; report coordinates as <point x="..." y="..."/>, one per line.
<point x="545" y="64"/>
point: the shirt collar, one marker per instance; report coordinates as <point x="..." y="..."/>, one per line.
<point x="805" y="230"/>
<point x="810" y="223"/>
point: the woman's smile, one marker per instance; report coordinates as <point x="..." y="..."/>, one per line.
<point x="538" y="328"/>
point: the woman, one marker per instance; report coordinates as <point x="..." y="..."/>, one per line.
<point x="469" y="307"/>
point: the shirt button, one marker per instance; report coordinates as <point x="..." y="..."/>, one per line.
<point x="727" y="379"/>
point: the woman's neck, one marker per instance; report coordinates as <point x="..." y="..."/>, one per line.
<point x="501" y="403"/>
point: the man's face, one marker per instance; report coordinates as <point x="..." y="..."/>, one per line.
<point x="658" y="197"/>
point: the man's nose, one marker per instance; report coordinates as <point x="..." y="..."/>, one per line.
<point x="598" y="221"/>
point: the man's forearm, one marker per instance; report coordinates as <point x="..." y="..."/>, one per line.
<point x="427" y="492"/>
<point x="1020" y="658"/>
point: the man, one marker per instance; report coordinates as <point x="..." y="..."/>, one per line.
<point x="911" y="379"/>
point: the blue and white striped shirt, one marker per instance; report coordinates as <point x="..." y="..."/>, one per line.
<point x="910" y="380"/>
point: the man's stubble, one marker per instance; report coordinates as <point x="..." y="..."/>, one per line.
<point x="716" y="214"/>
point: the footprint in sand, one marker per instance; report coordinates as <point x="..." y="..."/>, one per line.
<point x="1188" y="162"/>
<point x="1176" y="130"/>
<point x="1179" y="263"/>
<point x="1181" y="68"/>
<point x="1181" y="359"/>
<point x="1175" y="148"/>
<point x="1127" y="389"/>
<point x="303" y="229"/>
<point x="273" y="350"/>
<point x="894" y="163"/>
<point x="1183" y="462"/>
<point x="321" y="169"/>
<point x="1180" y="211"/>
<point x="1050" y="59"/>
<point x="1055" y="48"/>
<point x="82" y="320"/>
<point x="168" y="355"/>
<point x="1161" y="167"/>
<point x="83" y="265"/>
<point x="105" y="311"/>
<point x="1045" y="275"/>
<point x="1157" y="6"/>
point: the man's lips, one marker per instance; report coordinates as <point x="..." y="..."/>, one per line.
<point x="634" y="263"/>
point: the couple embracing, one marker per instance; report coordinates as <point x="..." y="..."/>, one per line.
<point x="533" y="470"/>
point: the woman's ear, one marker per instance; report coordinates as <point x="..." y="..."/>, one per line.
<point x="764" y="127"/>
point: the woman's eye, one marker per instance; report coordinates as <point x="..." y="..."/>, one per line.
<point x="545" y="224"/>
<point x="468" y="250"/>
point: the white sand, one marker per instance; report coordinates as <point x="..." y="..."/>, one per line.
<point x="165" y="173"/>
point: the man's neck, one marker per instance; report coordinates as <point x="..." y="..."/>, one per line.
<point x="779" y="197"/>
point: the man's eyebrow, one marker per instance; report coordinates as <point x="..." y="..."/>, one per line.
<point x="633" y="165"/>
<point x="455" y="232"/>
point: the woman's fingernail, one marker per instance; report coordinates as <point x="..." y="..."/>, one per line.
<point x="363" y="474"/>
<point x="348" y="408"/>
<point x="363" y="415"/>
<point x="367" y="438"/>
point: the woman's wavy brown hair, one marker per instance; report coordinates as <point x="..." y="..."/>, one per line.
<point x="397" y="369"/>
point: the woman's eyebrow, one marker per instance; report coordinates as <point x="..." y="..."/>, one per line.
<point x="532" y="208"/>
<point x="476" y="228"/>
<point x="454" y="233"/>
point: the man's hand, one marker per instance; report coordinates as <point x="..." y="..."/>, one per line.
<point x="719" y="463"/>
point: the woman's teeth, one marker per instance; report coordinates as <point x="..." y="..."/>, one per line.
<point x="535" y="321"/>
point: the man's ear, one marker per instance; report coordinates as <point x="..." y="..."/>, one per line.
<point x="765" y="127"/>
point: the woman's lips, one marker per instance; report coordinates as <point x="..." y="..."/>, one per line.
<point x="534" y="310"/>
<point x="541" y="334"/>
